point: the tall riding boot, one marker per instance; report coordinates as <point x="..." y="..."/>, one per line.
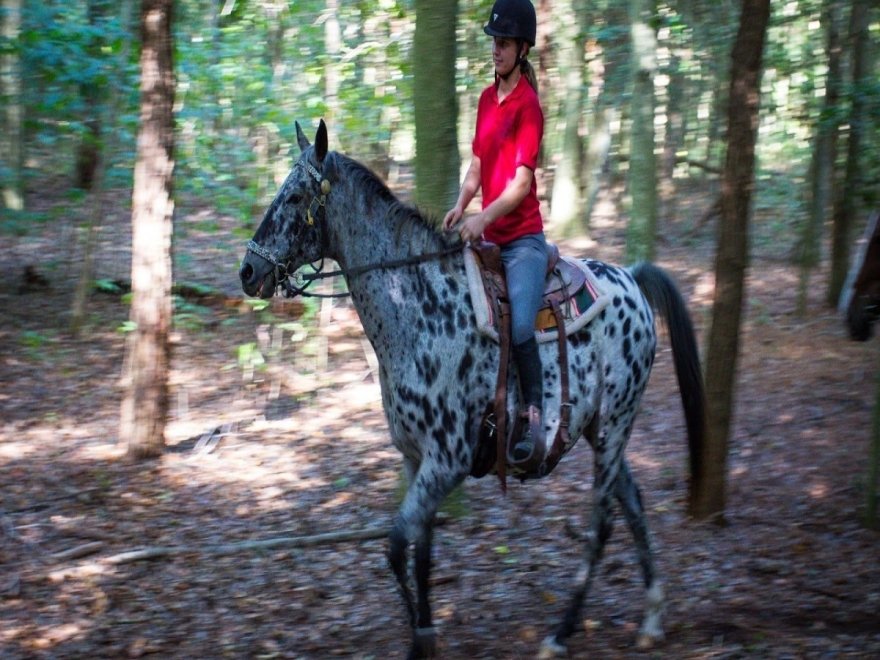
<point x="531" y="446"/>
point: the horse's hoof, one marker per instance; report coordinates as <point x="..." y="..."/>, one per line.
<point x="550" y="649"/>
<point x="424" y="643"/>
<point x="646" y="641"/>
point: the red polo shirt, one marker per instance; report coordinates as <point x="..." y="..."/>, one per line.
<point x="508" y="135"/>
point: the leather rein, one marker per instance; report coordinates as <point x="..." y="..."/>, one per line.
<point x="296" y="284"/>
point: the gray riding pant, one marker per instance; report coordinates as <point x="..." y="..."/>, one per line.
<point x="525" y="266"/>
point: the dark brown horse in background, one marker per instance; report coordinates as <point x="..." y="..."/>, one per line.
<point x="860" y="298"/>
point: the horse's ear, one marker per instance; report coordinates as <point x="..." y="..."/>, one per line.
<point x="301" y="138"/>
<point x="321" y="142"/>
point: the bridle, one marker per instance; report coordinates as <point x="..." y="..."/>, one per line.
<point x="296" y="284"/>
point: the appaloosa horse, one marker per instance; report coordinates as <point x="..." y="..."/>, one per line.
<point x="860" y="297"/>
<point x="437" y="373"/>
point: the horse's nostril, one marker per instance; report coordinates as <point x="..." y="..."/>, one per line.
<point x="246" y="272"/>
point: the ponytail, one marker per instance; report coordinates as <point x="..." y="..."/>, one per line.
<point x="528" y="71"/>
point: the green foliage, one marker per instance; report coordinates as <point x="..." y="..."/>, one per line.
<point x="188" y="315"/>
<point x="63" y="56"/>
<point x="245" y="76"/>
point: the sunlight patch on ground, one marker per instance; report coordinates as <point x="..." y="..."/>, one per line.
<point x="819" y="490"/>
<point x="643" y="461"/>
<point x="15" y="450"/>
<point x="46" y="637"/>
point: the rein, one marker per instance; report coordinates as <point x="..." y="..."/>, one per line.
<point x="291" y="290"/>
<point x="294" y="284"/>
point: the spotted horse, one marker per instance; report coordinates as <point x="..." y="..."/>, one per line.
<point x="408" y="283"/>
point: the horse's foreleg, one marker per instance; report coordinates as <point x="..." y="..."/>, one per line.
<point x="397" y="551"/>
<point x="627" y="492"/>
<point x="397" y="558"/>
<point x="424" y="637"/>
<point x="414" y="523"/>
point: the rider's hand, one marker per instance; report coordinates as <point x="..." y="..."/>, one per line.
<point x="452" y="217"/>
<point x="472" y="227"/>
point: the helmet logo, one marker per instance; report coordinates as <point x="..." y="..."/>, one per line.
<point x="494" y="17"/>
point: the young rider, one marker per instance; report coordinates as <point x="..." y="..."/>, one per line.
<point x="507" y="141"/>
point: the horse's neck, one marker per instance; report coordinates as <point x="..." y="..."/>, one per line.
<point x="375" y="228"/>
<point x="377" y="231"/>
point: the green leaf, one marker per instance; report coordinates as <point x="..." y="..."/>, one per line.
<point x="127" y="326"/>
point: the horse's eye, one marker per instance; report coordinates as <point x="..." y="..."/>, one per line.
<point x="294" y="198"/>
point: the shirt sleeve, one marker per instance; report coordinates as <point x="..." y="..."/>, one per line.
<point x="530" y="130"/>
<point x="477" y="144"/>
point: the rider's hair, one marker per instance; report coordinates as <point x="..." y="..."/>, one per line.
<point x="528" y="71"/>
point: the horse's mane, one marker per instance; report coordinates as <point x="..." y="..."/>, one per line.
<point x="406" y="217"/>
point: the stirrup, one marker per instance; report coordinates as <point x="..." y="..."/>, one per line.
<point x="530" y="449"/>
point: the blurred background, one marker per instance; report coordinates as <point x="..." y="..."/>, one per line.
<point x="247" y="69"/>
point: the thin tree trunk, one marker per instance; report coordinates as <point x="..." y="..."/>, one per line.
<point x="436" y="112"/>
<point x="88" y="154"/>
<point x="332" y="46"/>
<point x="566" y="204"/>
<point x="12" y="134"/>
<point x="846" y="204"/>
<point x="708" y="499"/>
<point x="822" y="162"/>
<point x="96" y="212"/>
<point x="871" y="521"/>
<point x="642" y="162"/>
<point x="145" y="403"/>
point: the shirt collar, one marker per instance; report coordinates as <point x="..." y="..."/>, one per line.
<point x="514" y="93"/>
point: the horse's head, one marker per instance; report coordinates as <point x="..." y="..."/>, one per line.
<point x="292" y="232"/>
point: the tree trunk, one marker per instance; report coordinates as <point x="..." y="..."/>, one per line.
<point x="145" y="403"/>
<point x="12" y="134"/>
<point x="436" y="112"/>
<point x="708" y="498"/>
<point x="871" y="521"/>
<point x="566" y="205"/>
<point x="847" y="198"/>
<point x="821" y="177"/>
<point x="332" y="46"/>
<point x="642" y="162"/>
<point x="94" y="219"/>
<point x="88" y="155"/>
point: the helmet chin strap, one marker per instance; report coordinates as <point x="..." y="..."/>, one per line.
<point x="520" y="58"/>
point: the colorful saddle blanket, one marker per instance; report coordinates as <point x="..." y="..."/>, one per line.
<point x="569" y="282"/>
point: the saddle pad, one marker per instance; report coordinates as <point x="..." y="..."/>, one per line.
<point x="578" y="310"/>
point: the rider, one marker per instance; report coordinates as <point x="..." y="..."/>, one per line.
<point x="506" y="145"/>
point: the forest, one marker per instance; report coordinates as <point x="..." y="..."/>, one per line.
<point x="189" y="472"/>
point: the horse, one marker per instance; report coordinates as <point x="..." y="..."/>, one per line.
<point x="860" y="297"/>
<point x="407" y="282"/>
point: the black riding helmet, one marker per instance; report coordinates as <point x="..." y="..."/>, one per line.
<point x="514" y="19"/>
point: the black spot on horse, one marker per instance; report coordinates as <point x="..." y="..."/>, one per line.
<point x="465" y="366"/>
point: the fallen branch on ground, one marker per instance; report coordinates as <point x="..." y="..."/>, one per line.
<point x="160" y="552"/>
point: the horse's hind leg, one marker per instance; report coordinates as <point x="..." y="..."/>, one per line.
<point x="627" y="492"/>
<point x="601" y="525"/>
<point x="428" y="486"/>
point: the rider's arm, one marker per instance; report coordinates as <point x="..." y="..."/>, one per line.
<point x="469" y="188"/>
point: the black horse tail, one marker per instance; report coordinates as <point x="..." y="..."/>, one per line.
<point x="662" y="294"/>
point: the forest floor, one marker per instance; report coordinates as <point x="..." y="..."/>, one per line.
<point x="277" y="432"/>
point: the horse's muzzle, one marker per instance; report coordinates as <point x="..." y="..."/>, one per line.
<point x="257" y="280"/>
